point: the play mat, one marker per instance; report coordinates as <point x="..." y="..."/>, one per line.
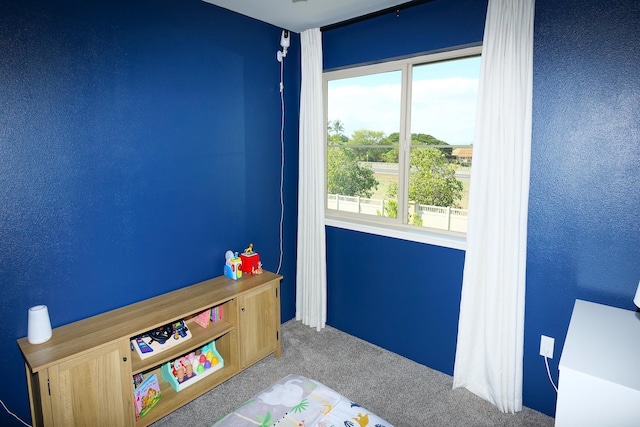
<point x="296" y="401"/>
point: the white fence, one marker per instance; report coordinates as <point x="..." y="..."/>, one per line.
<point x="442" y="218"/>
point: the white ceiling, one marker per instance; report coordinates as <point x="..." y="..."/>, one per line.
<point x="300" y="15"/>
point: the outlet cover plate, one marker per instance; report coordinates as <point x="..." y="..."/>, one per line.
<point x="546" y="346"/>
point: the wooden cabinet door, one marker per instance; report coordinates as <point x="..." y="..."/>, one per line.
<point x="94" y="389"/>
<point x="259" y="321"/>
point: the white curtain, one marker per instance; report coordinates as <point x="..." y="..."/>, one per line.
<point x="491" y="326"/>
<point x="311" y="276"/>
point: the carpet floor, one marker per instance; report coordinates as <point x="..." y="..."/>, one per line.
<point x="397" y="389"/>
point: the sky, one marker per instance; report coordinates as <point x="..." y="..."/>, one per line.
<point x="443" y="101"/>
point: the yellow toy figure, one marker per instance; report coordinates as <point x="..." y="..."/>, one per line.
<point x="251" y="261"/>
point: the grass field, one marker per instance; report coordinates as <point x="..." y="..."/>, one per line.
<point x="385" y="179"/>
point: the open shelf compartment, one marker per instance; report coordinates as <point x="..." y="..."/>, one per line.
<point x="171" y="399"/>
<point x="192" y="367"/>
<point x="199" y="336"/>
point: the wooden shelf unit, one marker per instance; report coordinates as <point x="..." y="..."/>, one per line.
<point x="84" y="374"/>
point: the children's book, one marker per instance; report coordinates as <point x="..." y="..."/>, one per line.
<point x="203" y="318"/>
<point x="146" y="396"/>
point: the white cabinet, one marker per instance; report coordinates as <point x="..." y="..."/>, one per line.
<point x="599" y="381"/>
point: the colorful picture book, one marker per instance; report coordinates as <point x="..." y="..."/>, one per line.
<point x="210" y="315"/>
<point x="216" y="313"/>
<point x="146" y="395"/>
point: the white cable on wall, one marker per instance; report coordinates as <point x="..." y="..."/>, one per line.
<point x="546" y="362"/>
<point x="281" y="60"/>
<point x="11" y="413"/>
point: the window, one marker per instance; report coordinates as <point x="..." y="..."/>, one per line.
<point x="400" y="146"/>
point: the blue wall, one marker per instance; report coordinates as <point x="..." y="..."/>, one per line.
<point x="138" y="142"/>
<point x="584" y="232"/>
<point x="584" y="235"/>
<point x="400" y="295"/>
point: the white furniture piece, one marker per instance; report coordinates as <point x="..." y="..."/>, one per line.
<point x="599" y="381"/>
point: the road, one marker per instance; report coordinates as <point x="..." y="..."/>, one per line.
<point x="392" y="169"/>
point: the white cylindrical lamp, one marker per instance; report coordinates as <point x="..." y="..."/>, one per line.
<point x="39" y="325"/>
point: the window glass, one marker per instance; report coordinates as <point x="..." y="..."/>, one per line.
<point x="443" y="106"/>
<point x="400" y="142"/>
<point x="362" y="142"/>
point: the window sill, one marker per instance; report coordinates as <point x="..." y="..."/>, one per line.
<point x="443" y="239"/>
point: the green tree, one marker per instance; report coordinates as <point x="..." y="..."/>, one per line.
<point x="334" y="140"/>
<point x="391" y="155"/>
<point x="367" y="144"/>
<point x="432" y="181"/>
<point x="424" y="138"/>
<point x="335" y="135"/>
<point x="346" y="176"/>
<point x="391" y="205"/>
<point x="335" y="126"/>
<point x="417" y="139"/>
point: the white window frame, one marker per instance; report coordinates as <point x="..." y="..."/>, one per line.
<point x="391" y="227"/>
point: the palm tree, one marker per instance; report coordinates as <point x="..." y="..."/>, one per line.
<point x="335" y="126"/>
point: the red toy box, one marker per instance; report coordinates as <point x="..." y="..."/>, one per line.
<point x="250" y="263"/>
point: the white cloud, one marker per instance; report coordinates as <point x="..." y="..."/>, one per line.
<point x="444" y="108"/>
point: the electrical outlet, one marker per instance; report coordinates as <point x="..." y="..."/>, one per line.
<point x="546" y="346"/>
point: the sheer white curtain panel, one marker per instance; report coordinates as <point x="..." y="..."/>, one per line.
<point x="311" y="276"/>
<point x="490" y="342"/>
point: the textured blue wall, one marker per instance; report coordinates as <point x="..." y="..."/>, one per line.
<point x="439" y="24"/>
<point x="584" y="235"/>
<point x="584" y="232"/>
<point x="403" y="296"/>
<point x="138" y="142"/>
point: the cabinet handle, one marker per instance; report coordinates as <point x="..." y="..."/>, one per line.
<point x="243" y="309"/>
<point x="124" y="359"/>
